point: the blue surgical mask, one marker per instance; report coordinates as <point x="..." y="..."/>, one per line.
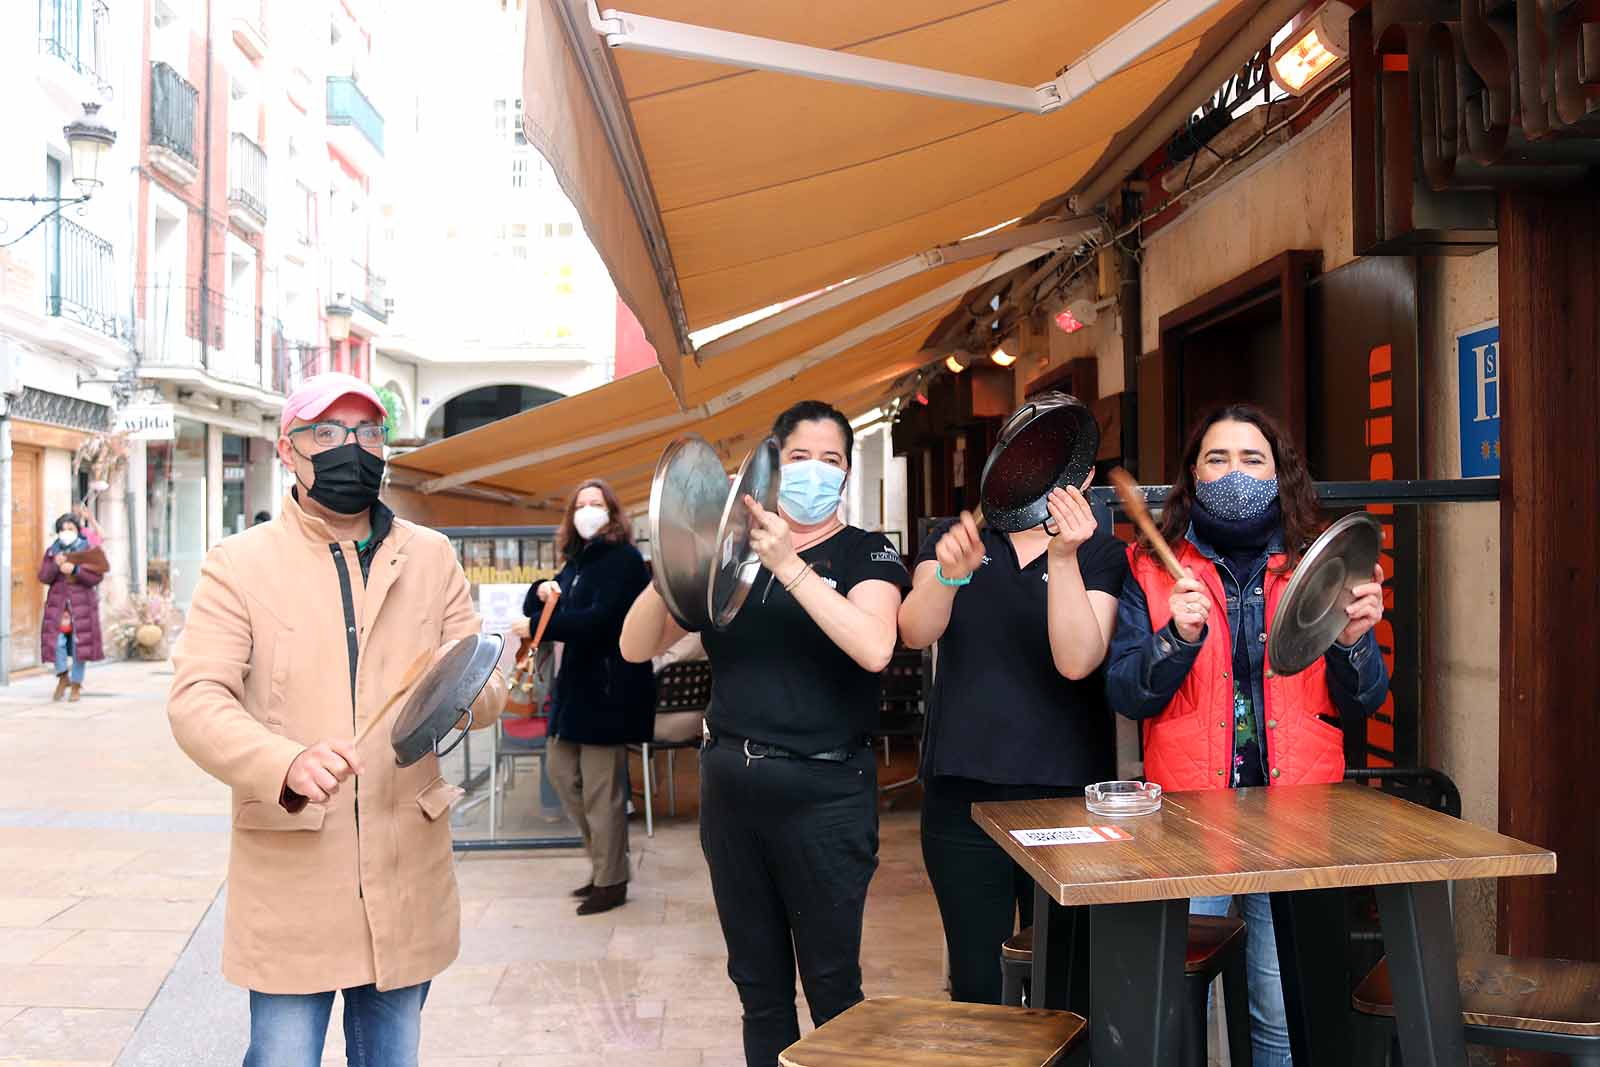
<point x="1236" y="496"/>
<point x="809" y="490"/>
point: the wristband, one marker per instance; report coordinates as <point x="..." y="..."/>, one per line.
<point x="954" y="583"/>
<point x="798" y="578"/>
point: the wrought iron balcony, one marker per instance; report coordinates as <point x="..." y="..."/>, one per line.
<point x="172" y="113"/>
<point x="77" y="32"/>
<point x="80" y="276"/>
<point x="349" y="106"/>
<point x="172" y="320"/>
<point x="247" y="180"/>
<point x="367" y="291"/>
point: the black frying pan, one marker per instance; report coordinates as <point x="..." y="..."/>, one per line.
<point x="1051" y="441"/>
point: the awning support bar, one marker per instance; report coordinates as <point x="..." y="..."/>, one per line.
<point x="644" y="33"/>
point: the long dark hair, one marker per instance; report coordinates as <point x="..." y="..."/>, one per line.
<point x="618" y="531"/>
<point x="1296" y="498"/>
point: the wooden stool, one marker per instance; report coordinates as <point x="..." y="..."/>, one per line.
<point x="1216" y="947"/>
<point x="1507" y="1002"/>
<point x="888" y="1031"/>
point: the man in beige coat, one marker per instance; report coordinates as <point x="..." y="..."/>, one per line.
<point x="340" y="876"/>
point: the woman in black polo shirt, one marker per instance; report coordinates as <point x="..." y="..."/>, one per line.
<point x="1018" y="710"/>
<point x="788" y="784"/>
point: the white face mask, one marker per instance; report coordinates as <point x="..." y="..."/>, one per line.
<point x="589" y="519"/>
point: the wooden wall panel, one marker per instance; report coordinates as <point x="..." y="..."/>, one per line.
<point x="1550" y="567"/>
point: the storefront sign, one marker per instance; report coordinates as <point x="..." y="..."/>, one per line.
<point x="147" y="422"/>
<point x="1478" y="358"/>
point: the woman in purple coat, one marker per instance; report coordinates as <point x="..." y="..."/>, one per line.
<point x="70" y="631"/>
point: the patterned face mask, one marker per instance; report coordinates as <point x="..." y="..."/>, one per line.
<point x="1237" y="496"/>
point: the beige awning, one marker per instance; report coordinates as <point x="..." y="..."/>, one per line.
<point x="712" y="191"/>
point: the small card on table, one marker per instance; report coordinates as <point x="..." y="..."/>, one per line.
<point x="1071" y="835"/>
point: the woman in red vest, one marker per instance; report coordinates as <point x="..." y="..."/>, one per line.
<point x="1188" y="659"/>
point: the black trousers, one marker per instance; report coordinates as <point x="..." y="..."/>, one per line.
<point x="792" y="846"/>
<point x="980" y="889"/>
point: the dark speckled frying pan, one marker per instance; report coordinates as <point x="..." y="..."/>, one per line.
<point x="1050" y="441"/>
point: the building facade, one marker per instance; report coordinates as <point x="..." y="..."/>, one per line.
<point x="65" y="300"/>
<point x="260" y="152"/>
<point x="483" y="240"/>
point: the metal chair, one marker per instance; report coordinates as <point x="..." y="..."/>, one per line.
<point x="684" y="686"/>
<point x="901" y="711"/>
<point x="1215" y="949"/>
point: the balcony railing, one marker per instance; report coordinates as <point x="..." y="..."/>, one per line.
<point x="77" y="32"/>
<point x="172" y="107"/>
<point x="172" y="319"/>
<point x="349" y="106"/>
<point x="247" y="175"/>
<point x="367" y="290"/>
<point x="81" y="276"/>
<point x="295" y="361"/>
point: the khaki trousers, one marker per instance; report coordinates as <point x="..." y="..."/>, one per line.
<point x="593" y="785"/>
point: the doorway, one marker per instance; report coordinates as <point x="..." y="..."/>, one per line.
<point x="27" y="600"/>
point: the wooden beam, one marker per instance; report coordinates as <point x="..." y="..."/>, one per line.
<point x="1550" y="567"/>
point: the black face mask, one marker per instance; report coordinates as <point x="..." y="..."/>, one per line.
<point x="347" y="479"/>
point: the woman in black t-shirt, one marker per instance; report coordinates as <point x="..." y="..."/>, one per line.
<point x="788" y="784"/>
<point x="1018" y="710"/>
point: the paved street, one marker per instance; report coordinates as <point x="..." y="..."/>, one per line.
<point x="113" y="851"/>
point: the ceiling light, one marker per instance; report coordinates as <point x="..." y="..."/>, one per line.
<point x="1316" y="46"/>
<point x="956" y="362"/>
<point x="1002" y="358"/>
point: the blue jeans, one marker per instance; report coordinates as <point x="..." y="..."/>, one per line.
<point x="1269" y="1022"/>
<point x="380" y="1029"/>
<point x="65" y="649"/>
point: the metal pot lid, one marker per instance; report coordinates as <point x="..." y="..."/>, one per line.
<point x="736" y="563"/>
<point x="1050" y="441"/>
<point x="687" y="499"/>
<point x="435" y="709"/>
<point x="1311" y="613"/>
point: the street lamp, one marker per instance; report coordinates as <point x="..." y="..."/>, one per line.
<point x="89" y="141"/>
<point x="338" y="322"/>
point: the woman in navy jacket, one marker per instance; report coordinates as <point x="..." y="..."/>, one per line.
<point x="602" y="702"/>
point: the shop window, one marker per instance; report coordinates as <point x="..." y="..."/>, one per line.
<point x="175" y="497"/>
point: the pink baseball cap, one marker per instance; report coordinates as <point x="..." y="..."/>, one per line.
<point x="318" y="394"/>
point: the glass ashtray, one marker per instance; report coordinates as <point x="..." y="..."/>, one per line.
<point x="1123" y="798"/>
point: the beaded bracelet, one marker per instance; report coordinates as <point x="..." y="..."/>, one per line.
<point x="938" y="572"/>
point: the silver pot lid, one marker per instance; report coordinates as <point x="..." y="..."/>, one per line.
<point x="1311" y="613"/>
<point x="736" y="563"/>
<point x="435" y="710"/>
<point x="687" y="499"/>
<point x="1050" y="441"/>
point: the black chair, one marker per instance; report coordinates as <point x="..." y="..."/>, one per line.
<point x="901" y="711"/>
<point x="1215" y="949"/>
<point x="681" y="686"/>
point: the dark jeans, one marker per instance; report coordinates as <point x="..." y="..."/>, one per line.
<point x="792" y="846"/>
<point x="980" y="889"/>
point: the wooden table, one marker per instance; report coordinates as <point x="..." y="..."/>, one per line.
<point x="1303" y="845"/>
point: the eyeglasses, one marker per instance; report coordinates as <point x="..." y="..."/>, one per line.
<point x="333" y="434"/>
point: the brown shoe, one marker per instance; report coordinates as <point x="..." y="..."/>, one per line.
<point x="604" y="898"/>
<point x="584" y="891"/>
<point x="77" y="692"/>
<point x="61" y="686"/>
